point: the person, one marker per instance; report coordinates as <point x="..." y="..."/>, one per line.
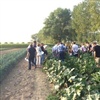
<point x="30" y="55"/>
<point x="45" y="51"/>
<point x="69" y="45"/>
<point x="38" y="55"/>
<point x="83" y="48"/>
<point x="88" y="48"/>
<point x="34" y="45"/>
<point x="96" y="53"/>
<point x="66" y="47"/>
<point x="28" y="46"/>
<point x="75" y="49"/>
<point x="43" y="55"/>
<point x="61" y="51"/>
<point x="27" y="49"/>
<point x="55" y="51"/>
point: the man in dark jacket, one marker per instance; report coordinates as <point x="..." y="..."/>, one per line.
<point x="31" y="55"/>
<point x="96" y="50"/>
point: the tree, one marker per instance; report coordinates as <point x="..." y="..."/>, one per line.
<point x="23" y="42"/>
<point x="34" y="37"/>
<point x="57" y="24"/>
<point x="6" y="43"/>
<point x="85" y="19"/>
<point x="80" y="21"/>
<point x="11" y="43"/>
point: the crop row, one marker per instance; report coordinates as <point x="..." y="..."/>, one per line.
<point x="14" y="45"/>
<point x="8" y="61"/>
<point x="74" y="78"/>
<point x="2" y="49"/>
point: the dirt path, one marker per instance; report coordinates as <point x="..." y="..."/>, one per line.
<point x="24" y="84"/>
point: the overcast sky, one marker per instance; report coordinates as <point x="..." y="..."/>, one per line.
<point x="19" y="19"/>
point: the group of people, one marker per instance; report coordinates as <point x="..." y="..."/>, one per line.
<point x="36" y="53"/>
<point x="59" y="50"/>
<point x="93" y="49"/>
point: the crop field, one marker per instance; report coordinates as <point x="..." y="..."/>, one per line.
<point x="2" y="49"/>
<point x="74" y="78"/>
<point x="9" y="56"/>
<point x="8" y="46"/>
<point x="16" y="81"/>
<point x="8" y="50"/>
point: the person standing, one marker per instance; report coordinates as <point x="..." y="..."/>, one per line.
<point x="75" y="49"/>
<point x="96" y="53"/>
<point x="34" y="45"/>
<point x="61" y="51"/>
<point x="83" y="48"/>
<point x="43" y="55"/>
<point x="88" y="48"/>
<point x="55" y="51"/>
<point x="27" y="49"/>
<point x="31" y="55"/>
<point x="38" y="55"/>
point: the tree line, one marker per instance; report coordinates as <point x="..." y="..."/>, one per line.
<point x="82" y="24"/>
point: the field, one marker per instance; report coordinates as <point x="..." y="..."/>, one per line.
<point x="73" y="79"/>
<point x="17" y="82"/>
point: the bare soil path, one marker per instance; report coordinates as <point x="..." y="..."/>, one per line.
<point x="24" y="84"/>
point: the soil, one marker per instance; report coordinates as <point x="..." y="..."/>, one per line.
<point x="24" y="84"/>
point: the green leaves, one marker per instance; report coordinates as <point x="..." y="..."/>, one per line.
<point x="96" y="76"/>
<point x="75" y="78"/>
<point x="9" y="60"/>
<point x="56" y="23"/>
<point x="85" y="20"/>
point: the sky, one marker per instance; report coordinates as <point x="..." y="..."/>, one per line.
<point x="19" y="19"/>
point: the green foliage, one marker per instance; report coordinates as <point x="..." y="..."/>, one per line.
<point x="82" y="24"/>
<point x="52" y="97"/>
<point x="56" y="25"/>
<point x="2" y="49"/>
<point x="85" y="20"/>
<point x="8" y="61"/>
<point x="75" y="78"/>
<point x="14" y="45"/>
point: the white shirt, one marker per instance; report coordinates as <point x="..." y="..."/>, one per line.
<point x="54" y="48"/>
<point x="75" y="48"/>
<point x="38" y="51"/>
<point x="83" y="49"/>
<point x="61" y="47"/>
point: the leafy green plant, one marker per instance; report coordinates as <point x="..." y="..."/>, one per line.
<point x="8" y="61"/>
<point x="52" y="97"/>
<point x="75" y="78"/>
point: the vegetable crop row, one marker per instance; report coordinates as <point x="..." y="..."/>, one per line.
<point x="74" y="78"/>
<point x="2" y="49"/>
<point x="8" y="61"/>
<point x="14" y="45"/>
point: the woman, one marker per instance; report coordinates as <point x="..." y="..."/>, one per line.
<point x="38" y="55"/>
